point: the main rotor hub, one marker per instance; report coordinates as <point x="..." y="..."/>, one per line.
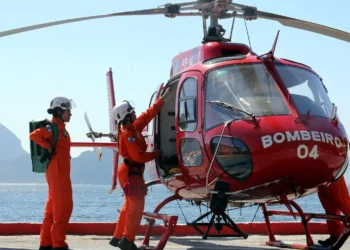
<point x="222" y="4"/>
<point x="215" y="33"/>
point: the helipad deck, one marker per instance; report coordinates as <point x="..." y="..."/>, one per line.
<point x="89" y="242"/>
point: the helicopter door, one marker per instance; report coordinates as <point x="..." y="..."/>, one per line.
<point x="151" y="138"/>
<point x="189" y="124"/>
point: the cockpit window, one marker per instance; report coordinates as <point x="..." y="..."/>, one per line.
<point x="307" y="90"/>
<point x="248" y="87"/>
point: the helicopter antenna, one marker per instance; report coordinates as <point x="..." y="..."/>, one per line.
<point x="274" y="44"/>
<point x="270" y="54"/>
<point x="246" y="28"/>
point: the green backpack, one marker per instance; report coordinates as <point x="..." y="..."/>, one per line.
<point x="40" y="156"/>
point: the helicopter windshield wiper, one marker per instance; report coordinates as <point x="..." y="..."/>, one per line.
<point x="231" y="107"/>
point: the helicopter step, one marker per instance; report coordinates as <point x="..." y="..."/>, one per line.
<point x="218" y="204"/>
<point x="169" y="224"/>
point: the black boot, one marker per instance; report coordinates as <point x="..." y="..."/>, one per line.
<point x="328" y="242"/>
<point x="45" y="248"/>
<point x="114" y="242"/>
<point x="124" y="244"/>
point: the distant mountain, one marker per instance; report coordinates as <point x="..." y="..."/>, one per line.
<point x="85" y="169"/>
<point x="16" y="166"/>
<point x="10" y="145"/>
<point x="19" y="170"/>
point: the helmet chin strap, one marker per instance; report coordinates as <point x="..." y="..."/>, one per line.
<point x="61" y="118"/>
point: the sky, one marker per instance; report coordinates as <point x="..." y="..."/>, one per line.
<point x="72" y="59"/>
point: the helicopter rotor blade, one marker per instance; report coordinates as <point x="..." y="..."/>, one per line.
<point x="240" y="6"/>
<point x="171" y="9"/>
<point x="213" y="8"/>
<point x="88" y="122"/>
<point x="181" y="4"/>
<point x="304" y="25"/>
<point x="251" y="13"/>
<point x="96" y="149"/>
<point x="45" y="25"/>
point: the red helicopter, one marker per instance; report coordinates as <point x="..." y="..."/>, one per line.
<point x="238" y="128"/>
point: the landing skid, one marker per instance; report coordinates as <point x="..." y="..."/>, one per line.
<point x="305" y="218"/>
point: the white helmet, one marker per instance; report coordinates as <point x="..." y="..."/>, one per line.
<point x="62" y="103"/>
<point x="121" y="110"/>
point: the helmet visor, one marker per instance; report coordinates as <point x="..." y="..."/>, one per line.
<point x="68" y="105"/>
<point x="131" y="105"/>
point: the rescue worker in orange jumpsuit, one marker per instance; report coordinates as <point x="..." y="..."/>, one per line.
<point x="59" y="204"/>
<point x="132" y="147"/>
<point x="334" y="199"/>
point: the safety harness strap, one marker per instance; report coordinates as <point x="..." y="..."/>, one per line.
<point x="134" y="167"/>
<point x="133" y="164"/>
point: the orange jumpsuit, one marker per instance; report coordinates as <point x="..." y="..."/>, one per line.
<point x="335" y="199"/>
<point x="59" y="203"/>
<point x="132" y="146"/>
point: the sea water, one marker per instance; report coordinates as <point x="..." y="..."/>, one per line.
<point x="93" y="203"/>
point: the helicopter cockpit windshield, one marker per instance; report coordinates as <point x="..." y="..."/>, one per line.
<point x="307" y="90"/>
<point x="248" y="87"/>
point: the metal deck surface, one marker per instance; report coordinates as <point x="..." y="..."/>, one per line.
<point x="89" y="242"/>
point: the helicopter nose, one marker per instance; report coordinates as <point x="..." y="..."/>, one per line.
<point x="302" y="155"/>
